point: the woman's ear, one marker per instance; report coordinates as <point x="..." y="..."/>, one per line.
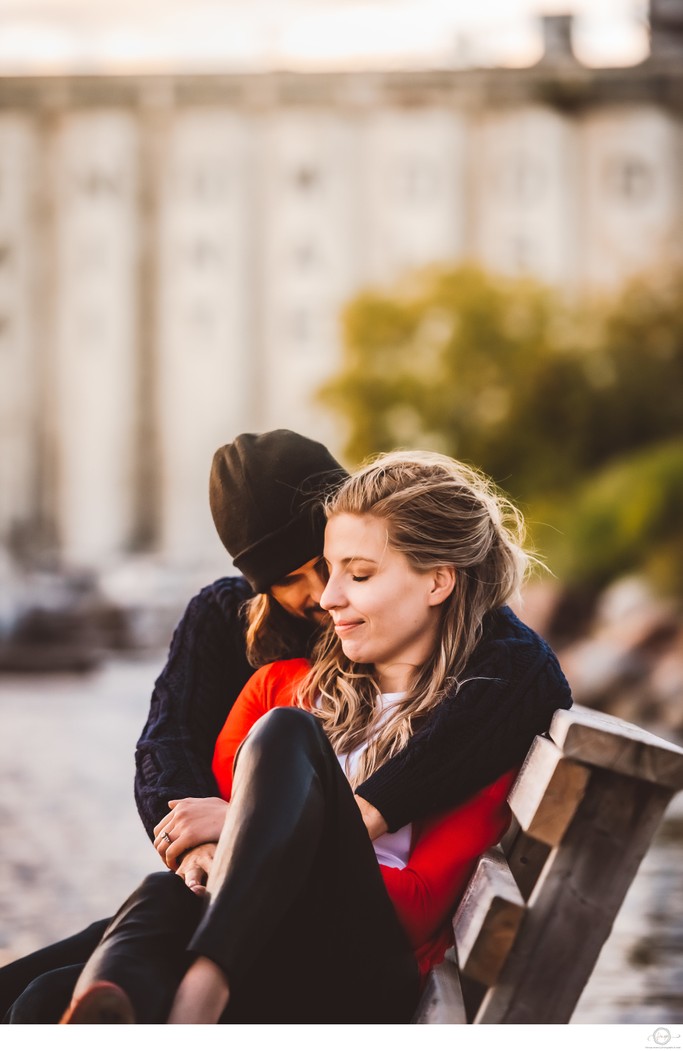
<point x="443" y="582"/>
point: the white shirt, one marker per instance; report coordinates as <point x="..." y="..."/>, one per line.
<point x="393" y="848"/>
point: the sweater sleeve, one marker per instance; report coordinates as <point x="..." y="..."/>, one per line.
<point x="477" y="732"/>
<point x="425" y="892"/>
<point x="205" y="671"/>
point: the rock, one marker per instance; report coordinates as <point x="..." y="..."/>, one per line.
<point x="598" y="668"/>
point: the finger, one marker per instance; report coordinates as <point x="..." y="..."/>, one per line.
<point x="163" y="825"/>
<point x="194" y="879"/>
<point x="173" y="852"/>
<point x="164" y="838"/>
<point x="173" y="802"/>
<point x="162" y="844"/>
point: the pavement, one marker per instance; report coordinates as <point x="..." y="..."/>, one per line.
<point x="73" y="846"/>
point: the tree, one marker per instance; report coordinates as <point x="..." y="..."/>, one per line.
<point x="508" y="375"/>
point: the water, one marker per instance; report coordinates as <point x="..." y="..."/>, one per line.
<point x="73" y="846"/>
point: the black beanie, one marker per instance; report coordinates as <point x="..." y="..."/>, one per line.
<point x="265" y="492"/>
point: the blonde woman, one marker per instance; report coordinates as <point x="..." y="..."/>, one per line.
<point x="305" y="919"/>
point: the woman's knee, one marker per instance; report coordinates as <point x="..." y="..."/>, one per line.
<point x="159" y="896"/>
<point x="157" y="886"/>
<point x="289" y="730"/>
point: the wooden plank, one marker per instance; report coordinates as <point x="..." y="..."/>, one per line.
<point x="526" y="857"/>
<point x="547" y="792"/>
<point x="603" y="740"/>
<point x="573" y="906"/>
<point x="441" y="1002"/>
<point x="487" y="919"/>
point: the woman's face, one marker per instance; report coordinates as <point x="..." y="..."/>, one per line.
<point x="385" y="612"/>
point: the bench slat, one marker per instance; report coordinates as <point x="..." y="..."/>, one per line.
<point x="525" y="856"/>
<point x="573" y="905"/>
<point x="603" y="740"/>
<point x="487" y="919"/>
<point x="547" y="792"/>
<point x="540" y="906"/>
<point x="441" y="1002"/>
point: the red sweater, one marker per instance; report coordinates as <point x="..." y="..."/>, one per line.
<point x="444" y="848"/>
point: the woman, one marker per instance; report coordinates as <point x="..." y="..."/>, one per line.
<point x="307" y="919"/>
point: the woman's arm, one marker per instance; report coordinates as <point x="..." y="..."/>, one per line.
<point x="205" y="672"/>
<point x="425" y="892"/>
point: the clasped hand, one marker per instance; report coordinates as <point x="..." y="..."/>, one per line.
<point x="186" y="838"/>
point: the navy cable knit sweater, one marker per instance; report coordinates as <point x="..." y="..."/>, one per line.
<point x="513" y="685"/>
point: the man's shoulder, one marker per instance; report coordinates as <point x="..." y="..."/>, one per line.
<point x="516" y="654"/>
<point x="226" y="594"/>
<point x="503" y="631"/>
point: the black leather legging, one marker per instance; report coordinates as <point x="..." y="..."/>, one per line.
<point x="298" y="916"/>
<point x="50" y="974"/>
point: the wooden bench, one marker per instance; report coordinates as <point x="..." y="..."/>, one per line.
<point x="541" y="904"/>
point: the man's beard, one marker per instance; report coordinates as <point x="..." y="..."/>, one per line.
<point x="315" y="615"/>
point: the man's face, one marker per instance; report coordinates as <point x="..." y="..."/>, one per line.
<point x="299" y="592"/>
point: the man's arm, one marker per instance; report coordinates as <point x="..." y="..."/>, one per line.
<point x="476" y="733"/>
<point x="204" y="673"/>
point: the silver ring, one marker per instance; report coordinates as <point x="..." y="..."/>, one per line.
<point x="167" y="838"/>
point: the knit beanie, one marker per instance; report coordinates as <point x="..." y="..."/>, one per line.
<point x="265" y="492"/>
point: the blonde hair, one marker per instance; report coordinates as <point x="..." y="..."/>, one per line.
<point x="437" y="511"/>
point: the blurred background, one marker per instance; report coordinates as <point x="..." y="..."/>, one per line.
<point x="381" y="224"/>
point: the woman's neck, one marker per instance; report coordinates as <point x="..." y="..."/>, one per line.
<point x="395" y="678"/>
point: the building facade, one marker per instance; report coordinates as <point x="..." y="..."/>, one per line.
<point x="175" y="253"/>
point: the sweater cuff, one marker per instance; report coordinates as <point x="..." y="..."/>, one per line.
<point x="385" y="790"/>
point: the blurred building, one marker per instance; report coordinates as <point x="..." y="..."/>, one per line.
<point x="174" y="253"/>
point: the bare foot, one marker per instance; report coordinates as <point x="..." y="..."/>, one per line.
<point x="202" y="995"/>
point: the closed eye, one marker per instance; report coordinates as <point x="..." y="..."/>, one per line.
<point x="359" y="579"/>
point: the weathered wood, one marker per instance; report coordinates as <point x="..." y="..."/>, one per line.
<point x="547" y="792"/>
<point x="603" y="740"/>
<point x="441" y="1002"/>
<point x="572" y="907"/>
<point x="525" y="856"/>
<point x="487" y="919"/>
<point x="539" y="908"/>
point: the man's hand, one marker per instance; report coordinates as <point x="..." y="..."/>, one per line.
<point x="195" y="867"/>
<point x="191" y="822"/>
<point x="374" y="822"/>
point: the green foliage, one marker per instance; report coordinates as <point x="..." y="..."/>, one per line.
<point x="539" y="392"/>
<point x="624" y="518"/>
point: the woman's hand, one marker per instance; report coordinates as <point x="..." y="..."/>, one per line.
<point x="195" y="867"/>
<point x="190" y="822"/>
<point x="374" y="822"/>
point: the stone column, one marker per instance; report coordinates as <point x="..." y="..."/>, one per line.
<point x="413" y="194"/>
<point x="523" y="189"/>
<point x="203" y="344"/>
<point x="631" y="174"/>
<point x="19" y="380"/>
<point x="310" y="262"/>
<point x="94" y="332"/>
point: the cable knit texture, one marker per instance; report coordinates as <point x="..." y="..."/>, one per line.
<point x="204" y="673"/>
<point x="513" y="685"/>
